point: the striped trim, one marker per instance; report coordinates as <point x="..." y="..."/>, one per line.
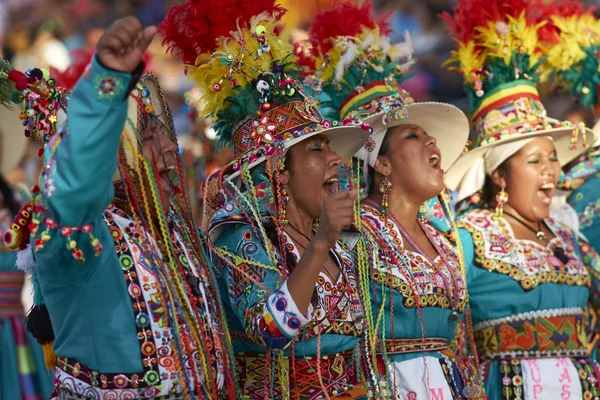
<point x="372" y="90"/>
<point x="504" y="97"/>
<point x="11" y="285"/>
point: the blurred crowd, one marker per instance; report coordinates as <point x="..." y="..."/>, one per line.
<point x="42" y="33"/>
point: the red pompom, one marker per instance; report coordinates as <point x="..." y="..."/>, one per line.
<point x="19" y="79"/>
<point x="193" y="28"/>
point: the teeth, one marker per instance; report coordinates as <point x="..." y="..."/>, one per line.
<point x="332" y="180"/>
<point x="170" y="168"/>
<point x="434" y="160"/>
<point x="548" y="185"/>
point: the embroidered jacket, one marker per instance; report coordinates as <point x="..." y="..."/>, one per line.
<point x="119" y="332"/>
<point x="527" y="299"/>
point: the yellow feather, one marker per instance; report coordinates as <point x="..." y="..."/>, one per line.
<point x="211" y="69"/>
<point x="575" y="34"/>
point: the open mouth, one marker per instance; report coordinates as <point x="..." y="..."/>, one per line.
<point x="546" y="192"/>
<point x="332" y="185"/>
<point x="164" y="178"/>
<point x="435" y="161"/>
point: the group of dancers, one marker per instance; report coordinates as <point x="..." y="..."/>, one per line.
<point x="332" y="260"/>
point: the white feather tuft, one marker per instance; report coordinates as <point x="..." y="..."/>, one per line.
<point x="403" y="50"/>
<point x="345" y="61"/>
<point x="25" y="260"/>
<point x="369" y="40"/>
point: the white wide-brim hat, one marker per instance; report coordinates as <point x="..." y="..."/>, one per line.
<point x="445" y="122"/>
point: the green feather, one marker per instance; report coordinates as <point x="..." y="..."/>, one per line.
<point x="582" y="79"/>
<point x="7" y="87"/>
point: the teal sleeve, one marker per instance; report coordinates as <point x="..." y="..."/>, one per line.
<point x="468" y="249"/>
<point x="8" y="261"/>
<point x="77" y="183"/>
<point x="257" y="289"/>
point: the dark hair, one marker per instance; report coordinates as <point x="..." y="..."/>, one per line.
<point x="489" y="187"/>
<point x="8" y="197"/>
<point x="385" y="145"/>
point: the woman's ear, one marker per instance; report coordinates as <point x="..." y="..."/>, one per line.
<point x="383" y="165"/>
<point x="499" y="178"/>
<point x="284" y="177"/>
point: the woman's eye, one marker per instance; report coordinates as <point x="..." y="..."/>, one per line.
<point x="411" y="135"/>
<point x="534" y="161"/>
<point x="316" y="147"/>
<point x="554" y="159"/>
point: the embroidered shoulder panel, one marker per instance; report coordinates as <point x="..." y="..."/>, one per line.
<point x="527" y="262"/>
<point x="411" y="274"/>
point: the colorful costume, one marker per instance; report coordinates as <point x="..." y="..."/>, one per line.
<point x="134" y="308"/>
<point x="23" y="375"/>
<point x="571" y="37"/>
<point x="250" y="83"/>
<point x="417" y="338"/>
<point x="527" y="298"/>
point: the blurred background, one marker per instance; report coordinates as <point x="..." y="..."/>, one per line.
<point x="42" y="33"/>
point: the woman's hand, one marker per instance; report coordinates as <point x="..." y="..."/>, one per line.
<point x="337" y="214"/>
<point x="124" y="43"/>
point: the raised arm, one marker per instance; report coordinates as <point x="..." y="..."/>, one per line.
<point x="77" y="184"/>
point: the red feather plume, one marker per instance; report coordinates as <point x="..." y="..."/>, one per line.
<point x="80" y="59"/>
<point x="469" y="14"/>
<point x="540" y="10"/>
<point x="193" y="28"/>
<point x="344" y="19"/>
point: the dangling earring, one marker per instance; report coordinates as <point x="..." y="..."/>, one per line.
<point x="285" y="197"/>
<point x="501" y="199"/>
<point x="422" y="213"/>
<point x="385" y="188"/>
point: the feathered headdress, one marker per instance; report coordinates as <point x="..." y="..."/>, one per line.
<point x="499" y="55"/>
<point x="352" y="61"/>
<point x="245" y="67"/>
<point x="571" y="41"/>
<point x="348" y="49"/>
<point x="496" y="44"/>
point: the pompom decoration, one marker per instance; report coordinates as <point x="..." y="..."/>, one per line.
<point x="17" y="236"/>
<point x="25" y="260"/>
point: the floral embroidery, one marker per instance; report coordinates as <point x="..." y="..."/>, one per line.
<point x="108" y="86"/>
<point x="274" y="320"/>
<point x="527" y="262"/>
<point x="426" y="279"/>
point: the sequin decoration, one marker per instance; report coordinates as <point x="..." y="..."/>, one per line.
<point x="108" y="86"/>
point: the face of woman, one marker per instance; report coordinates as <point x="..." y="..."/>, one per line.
<point x="160" y="151"/>
<point x="312" y="175"/>
<point x="412" y="162"/>
<point x="533" y="174"/>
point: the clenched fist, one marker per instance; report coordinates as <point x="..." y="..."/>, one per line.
<point x="124" y="43"/>
<point x="337" y="214"/>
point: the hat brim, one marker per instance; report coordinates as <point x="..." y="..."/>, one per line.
<point x="345" y="141"/>
<point x="596" y="130"/>
<point x="560" y="136"/>
<point x="13" y="139"/>
<point x="445" y="122"/>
